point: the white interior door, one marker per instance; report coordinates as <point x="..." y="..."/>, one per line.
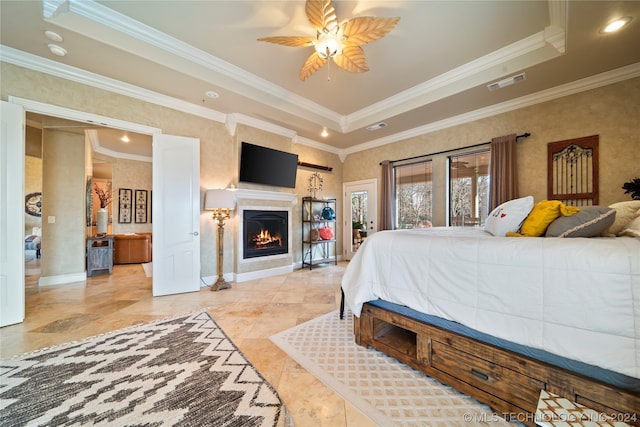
<point x="176" y="214"/>
<point x="361" y="206"/>
<point x="11" y="214"/>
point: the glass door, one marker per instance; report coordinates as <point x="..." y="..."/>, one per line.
<point x="361" y="214"/>
<point x="469" y="188"/>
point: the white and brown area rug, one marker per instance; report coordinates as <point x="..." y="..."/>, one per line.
<point x="183" y="371"/>
<point x="386" y="390"/>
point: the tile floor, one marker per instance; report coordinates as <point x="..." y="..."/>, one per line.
<point x="249" y="312"/>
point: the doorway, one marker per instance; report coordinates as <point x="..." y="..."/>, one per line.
<point x="62" y="159"/>
<point x="32" y="200"/>
<point x="360" y="213"/>
<point x="88" y="120"/>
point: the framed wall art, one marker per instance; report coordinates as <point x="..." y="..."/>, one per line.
<point x="572" y="171"/>
<point x="124" y="205"/>
<point x="141" y="206"/>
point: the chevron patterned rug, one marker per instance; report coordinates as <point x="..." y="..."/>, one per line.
<point x="386" y="390"/>
<point x="183" y="371"/>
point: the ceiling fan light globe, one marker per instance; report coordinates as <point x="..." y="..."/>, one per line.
<point x="328" y="46"/>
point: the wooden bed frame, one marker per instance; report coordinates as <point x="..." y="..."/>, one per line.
<point x="508" y="382"/>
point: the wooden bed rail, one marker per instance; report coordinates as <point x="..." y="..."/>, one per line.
<point x="508" y="382"/>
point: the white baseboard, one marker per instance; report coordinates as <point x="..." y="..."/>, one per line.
<point x="62" y="279"/>
<point x="253" y="275"/>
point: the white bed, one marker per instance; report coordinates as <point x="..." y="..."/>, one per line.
<point x="574" y="297"/>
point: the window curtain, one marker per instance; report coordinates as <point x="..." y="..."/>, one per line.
<point x="503" y="170"/>
<point x="387" y="201"/>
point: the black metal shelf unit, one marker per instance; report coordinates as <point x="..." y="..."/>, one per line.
<point x="317" y="214"/>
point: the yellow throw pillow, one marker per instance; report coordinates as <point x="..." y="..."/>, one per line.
<point x="543" y="214"/>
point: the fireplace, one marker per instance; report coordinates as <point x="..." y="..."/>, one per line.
<point x="265" y="233"/>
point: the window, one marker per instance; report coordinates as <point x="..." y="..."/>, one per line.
<point x="413" y="190"/>
<point x="469" y="188"/>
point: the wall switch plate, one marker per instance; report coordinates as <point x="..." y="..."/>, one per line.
<point x="51" y="219"/>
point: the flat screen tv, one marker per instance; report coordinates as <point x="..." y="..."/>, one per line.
<point x="262" y="165"/>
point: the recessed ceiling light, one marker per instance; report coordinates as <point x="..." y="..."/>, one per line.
<point x="57" y="50"/>
<point x="616" y="25"/>
<point x="125" y="138"/>
<point x="211" y="94"/>
<point x="52" y="35"/>
<point x="324" y="133"/>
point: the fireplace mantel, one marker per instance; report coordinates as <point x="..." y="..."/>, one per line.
<point x="259" y="267"/>
<point x="276" y="196"/>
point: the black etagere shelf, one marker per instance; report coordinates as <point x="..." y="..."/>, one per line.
<point x="316" y="214"/>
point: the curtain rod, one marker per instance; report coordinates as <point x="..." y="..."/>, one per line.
<point x="524" y="135"/>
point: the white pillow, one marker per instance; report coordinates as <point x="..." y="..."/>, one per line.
<point x="632" y="229"/>
<point x="508" y="216"/>
<point x="626" y="212"/>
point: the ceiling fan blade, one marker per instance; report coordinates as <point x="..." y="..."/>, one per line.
<point x="313" y="63"/>
<point x="365" y="29"/>
<point x="291" y="41"/>
<point x="352" y="59"/>
<point x="322" y="15"/>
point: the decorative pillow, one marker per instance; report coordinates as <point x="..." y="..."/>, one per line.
<point x="632" y="230"/>
<point x="543" y="214"/>
<point x="625" y="213"/>
<point x="591" y="221"/>
<point x="508" y="216"/>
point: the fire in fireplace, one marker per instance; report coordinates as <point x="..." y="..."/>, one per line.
<point x="265" y="233"/>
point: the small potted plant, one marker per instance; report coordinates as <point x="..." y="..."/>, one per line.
<point x="632" y="187"/>
<point x="104" y="194"/>
<point x="356" y="226"/>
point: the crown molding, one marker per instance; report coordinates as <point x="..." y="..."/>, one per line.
<point x="142" y="40"/>
<point x="93" y="119"/>
<point x="525" y="53"/>
<point x="556" y="33"/>
<point x="81" y="116"/>
<point x="587" y="83"/>
<point x="95" y="144"/>
<point x="238" y="118"/>
<point x="466" y="76"/>
<point x="57" y="69"/>
<point x="321" y="146"/>
<point x="47" y="66"/>
<point x="234" y="119"/>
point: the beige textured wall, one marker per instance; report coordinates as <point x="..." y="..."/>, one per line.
<point x="219" y="151"/>
<point x="133" y="175"/>
<point x="613" y="112"/>
<point x="217" y="162"/>
<point x="610" y="111"/>
<point x="63" y="197"/>
<point x="332" y="188"/>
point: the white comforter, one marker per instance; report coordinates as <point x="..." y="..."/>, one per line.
<point x="575" y="297"/>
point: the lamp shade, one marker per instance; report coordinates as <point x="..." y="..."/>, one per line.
<point x="219" y="199"/>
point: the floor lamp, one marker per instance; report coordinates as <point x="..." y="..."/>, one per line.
<point x="221" y="202"/>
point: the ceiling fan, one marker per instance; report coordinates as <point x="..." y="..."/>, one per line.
<point x="337" y="41"/>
